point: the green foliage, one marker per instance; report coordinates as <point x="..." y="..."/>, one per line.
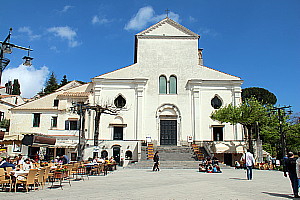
<point x="5" y="124"/>
<point x="64" y="81"/>
<point x="51" y="84"/>
<point x="16" y="87"/>
<point x="248" y="113"/>
<point x="262" y="95"/>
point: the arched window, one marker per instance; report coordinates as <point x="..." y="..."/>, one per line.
<point x="162" y="85"/>
<point x="120" y="102"/>
<point x="173" y="85"/>
<point x="216" y="102"/>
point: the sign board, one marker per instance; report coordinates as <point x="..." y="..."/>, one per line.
<point x="190" y="138"/>
<point x="148" y="139"/>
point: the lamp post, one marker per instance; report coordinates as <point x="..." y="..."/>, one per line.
<point x="281" y="113"/>
<point x="6" y="48"/>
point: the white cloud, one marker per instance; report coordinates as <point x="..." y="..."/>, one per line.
<point x="66" y="8"/>
<point x="145" y="16"/>
<point x="31" y="79"/>
<point x="29" y="32"/>
<point x="192" y="19"/>
<point x="67" y="33"/>
<point x="100" y="20"/>
<point x="207" y="31"/>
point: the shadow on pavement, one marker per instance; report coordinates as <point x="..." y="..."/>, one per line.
<point x="240" y="179"/>
<point x="279" y="195"/>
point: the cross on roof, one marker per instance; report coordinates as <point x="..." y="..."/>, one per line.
<point x="167" y="12"/>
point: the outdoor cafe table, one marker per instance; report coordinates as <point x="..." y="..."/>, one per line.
<point x="18" y="173"/>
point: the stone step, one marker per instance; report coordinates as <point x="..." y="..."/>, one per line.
<point x="170" y="165"/>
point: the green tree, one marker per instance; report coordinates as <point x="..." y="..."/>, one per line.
<point x="5" y="124"/>
<point x="51" y="84"/>
<point x="249" y="113"/>
<point x="64" y="81"/>
<point x="262" y="95"/>
<point x="16" y="87"/>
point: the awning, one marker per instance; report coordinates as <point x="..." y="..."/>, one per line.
<point x="34" y="139"/>
<point x="11" y="139"/>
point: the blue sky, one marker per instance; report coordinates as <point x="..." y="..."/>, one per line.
<point x="255" y="40"/>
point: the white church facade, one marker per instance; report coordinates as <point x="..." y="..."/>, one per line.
<point x="166" y="97"/>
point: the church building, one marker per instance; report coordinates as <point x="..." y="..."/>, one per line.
<point x="165" y="97"/>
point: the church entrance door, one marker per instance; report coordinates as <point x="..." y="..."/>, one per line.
<point x="168" y="132"/>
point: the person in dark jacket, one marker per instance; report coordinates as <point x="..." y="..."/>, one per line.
<point x="156" y="162"/>
<point x="4" y="164"/>
<point x="63" y="159"/>
<point x="290" y="167"/>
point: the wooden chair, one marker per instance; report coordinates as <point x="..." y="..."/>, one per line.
<point x="47" y="174"/>
<point x="29" y="180"/>
<point x="5" y="179"/>
<point x="39" y="179"/>
<point x="8" y="170"/>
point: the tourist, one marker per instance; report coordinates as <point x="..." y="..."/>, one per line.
<point x="209" y="170"/>
<point x="156" y="162"/>
<point x="237" y="164"/>
<point x="27" y="165"/>
<point x="4" y="163"/>
<point x="249" y="161"/>
<point x="202" y="168"/>
<point x="20" y="159"/>
<point x="298" y="168"/>
<point x="290" y="167"/>
<point x="63" y="160"/>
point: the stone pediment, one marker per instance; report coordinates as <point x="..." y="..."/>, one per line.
<point x="167" y="28"/>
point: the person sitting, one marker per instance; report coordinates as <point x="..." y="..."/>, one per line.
<point x="27" y="165"/>
<point x="216" y="169"/>
<point x="209" y="170"/>
<point x="237" y="164"/>
<point x="215" y="160"/>
<point x="4" y="164"/>
<point x="63" y="160"/>
<point x="202" y="168"/>
<point x="208" y="160"/>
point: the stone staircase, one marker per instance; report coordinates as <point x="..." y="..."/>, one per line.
<point x="171" y="157"/>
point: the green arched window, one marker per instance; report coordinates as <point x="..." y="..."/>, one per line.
<point x="162" y="85"/>
<point x="173" y="85"/>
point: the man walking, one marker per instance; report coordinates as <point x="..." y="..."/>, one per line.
<point x="290" y="167"/>
<point x="156" y="162"/>
<point x="249" y="161"/>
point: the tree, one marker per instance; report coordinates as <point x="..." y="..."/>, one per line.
<point x="249" y="113"/>
<point x="5" y="124"/>
<point x="262" y="95"/>
<point x="51" y="84"/>
<point x="16" y="87"/>
<point x="64" y="81"/>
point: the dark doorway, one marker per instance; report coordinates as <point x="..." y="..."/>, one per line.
<point x="228" y="159"/>
<point x="116" y="154"/>
<point x="168" y="132"/>
<point x="218" y="133"/>
<point x="33" y="152"/>
<point x="118" y="133"/>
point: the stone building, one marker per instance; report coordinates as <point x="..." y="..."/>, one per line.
<point x="165" y="97"/>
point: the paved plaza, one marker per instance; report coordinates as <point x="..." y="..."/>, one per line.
<point x="168" y="184"/>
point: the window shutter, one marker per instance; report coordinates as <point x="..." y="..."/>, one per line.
<point x="67" y="125"/>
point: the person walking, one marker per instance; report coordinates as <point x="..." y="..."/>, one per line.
<point x="249" y="162"/>
<point x="298" y="169"/>
<point x="290" y="167"/>
<point x="156" y="162"/>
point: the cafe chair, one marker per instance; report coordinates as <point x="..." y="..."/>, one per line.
<point x="29" y="180"/>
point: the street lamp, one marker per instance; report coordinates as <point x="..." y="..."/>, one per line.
<point x="6" y="48"/>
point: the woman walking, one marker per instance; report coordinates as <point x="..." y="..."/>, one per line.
<point x="156" y="162"/>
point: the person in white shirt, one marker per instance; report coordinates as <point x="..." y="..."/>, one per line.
<point x="27" y="165"/>
<point x="250" y="161"/>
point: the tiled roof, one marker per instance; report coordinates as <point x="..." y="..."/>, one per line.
<point x="74" y="94"/>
